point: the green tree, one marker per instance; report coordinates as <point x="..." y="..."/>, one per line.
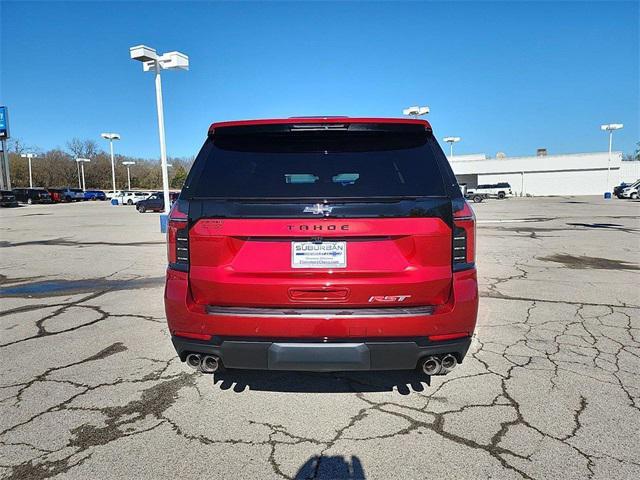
<point x="179" y="176"/>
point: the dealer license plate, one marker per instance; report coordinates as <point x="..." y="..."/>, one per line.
<point x="318" y="254"/>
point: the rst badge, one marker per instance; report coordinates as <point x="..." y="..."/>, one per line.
<point x="388" y="298"/>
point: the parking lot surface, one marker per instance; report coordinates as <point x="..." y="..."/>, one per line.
<point x="90" y="386"/>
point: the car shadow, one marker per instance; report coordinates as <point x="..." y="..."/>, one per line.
<point x="404" y="381"/>
<point x="334" y="468"/>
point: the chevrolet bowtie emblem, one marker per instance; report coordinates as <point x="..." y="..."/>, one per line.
<point x="318" y="209"/>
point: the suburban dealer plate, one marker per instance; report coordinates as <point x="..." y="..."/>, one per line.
<point x="318" y="254"/>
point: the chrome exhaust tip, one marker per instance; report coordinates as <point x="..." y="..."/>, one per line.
<point x="209" y="364"/>
<point x="431" y="365"/>
<point x="193" y="360"/>
<point x="449" y="362"/>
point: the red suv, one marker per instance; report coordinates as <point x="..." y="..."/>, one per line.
<point x="321" y="244"/>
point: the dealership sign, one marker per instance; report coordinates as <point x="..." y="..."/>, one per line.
<point x="4" y="122"/>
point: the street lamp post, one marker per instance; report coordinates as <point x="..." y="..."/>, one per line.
<point x="451" y="141"/>
<point x="81" y="162"/>
<point x="415" y="111"/>
<point x="29" y="156"/>
<point x="79" y="179"/>
<point x="128" y="164"/>
<point x="610" y="127"/>
<point x="111" y="137"/>
<point x="154" y="62"/>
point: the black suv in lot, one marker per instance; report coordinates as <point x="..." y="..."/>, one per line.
<point x="7" y="199"/>
<point x="32" y="195"/>
<point x="155" y="202"/>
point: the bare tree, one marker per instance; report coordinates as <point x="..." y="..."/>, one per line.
<point x="16" y="145"/>
<point x="82" y="148"/>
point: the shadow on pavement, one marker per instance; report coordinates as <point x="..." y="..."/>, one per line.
<point x="334" y="468"/>
<point x="405" y="381"/>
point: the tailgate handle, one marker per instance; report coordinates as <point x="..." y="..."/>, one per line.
<point x="320" y="294"/>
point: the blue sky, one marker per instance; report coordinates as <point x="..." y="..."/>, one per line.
<point x="504" y="76"/>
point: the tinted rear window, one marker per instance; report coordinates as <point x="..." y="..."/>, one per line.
<point x="325" y="164"/>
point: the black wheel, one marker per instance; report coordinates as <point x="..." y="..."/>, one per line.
<point x="477" y="198"/>
<point x="141" y="208"/>
<point x="129" y="202"/>
<point x="501" y="195"/>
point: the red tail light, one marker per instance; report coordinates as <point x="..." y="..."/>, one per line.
<point x="178" y="237"/>
<point x="464" y="235"/>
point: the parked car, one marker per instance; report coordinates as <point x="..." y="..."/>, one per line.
<point x="631" y="191"/>
<point x="32" y="195"/>
<point x="494" y="190"/>
<point x="132" y="197"/>
<point x="69" y="194"/>
<point x="56" y="195"/>
<point x="321" y="244"/>
<point x="617" y="190"/>
<point x="8" y="199"/>
<point x="111" y="194"/>
<point x="155" y="202"/>
<point x="94" y="195"/>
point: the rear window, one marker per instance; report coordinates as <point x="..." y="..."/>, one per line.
<point x="326" y="164"/>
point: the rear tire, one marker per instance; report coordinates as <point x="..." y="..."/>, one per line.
<point x="501" y="195"/>
<point x="477" y="198"/>
<point x="129" y="202"/>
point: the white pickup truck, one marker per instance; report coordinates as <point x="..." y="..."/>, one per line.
<point x="493" y="190"/>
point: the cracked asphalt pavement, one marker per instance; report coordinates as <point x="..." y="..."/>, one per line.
<point x="90" y="386"/>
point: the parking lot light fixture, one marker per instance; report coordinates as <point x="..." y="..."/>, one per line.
<point x="155" y="62"/>
<point x="111" y="137"/>
<point x="29" y="156"/>
<point x="451" y="141"/>
<point x="610" y="127"/>
<point x="81" y="162"/>
<point x="415" y="111"/>
<point x="79" y="179"/>
<point x="128" y="165"/>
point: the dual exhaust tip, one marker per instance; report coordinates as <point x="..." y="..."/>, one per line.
<point x="436" y="365"/>
<point x="432" y="365"/>
<point x="205" y="363"/>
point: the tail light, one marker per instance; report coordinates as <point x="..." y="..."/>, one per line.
<point x="178" y="237"/>
<point x="464" y="235"/>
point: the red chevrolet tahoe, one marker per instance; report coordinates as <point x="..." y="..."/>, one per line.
<point x="321" y="244"/>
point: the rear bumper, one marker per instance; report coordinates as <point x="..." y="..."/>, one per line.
<point x="319" y="356"/>
<point x="390" y="341"/>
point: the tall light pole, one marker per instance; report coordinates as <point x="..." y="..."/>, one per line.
<point x="111" y="137"/>
<point x="451" y="141"/>
<point x="128" y="164"/>
<point x="154" y="62"/>
<point x="415" y="111"/>
<point x="29" y="156"/>
<point x="79" y="179"/>
<point x="610" y="127"/>
<point x="81" y="162"/>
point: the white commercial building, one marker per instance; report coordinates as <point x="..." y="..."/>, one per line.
<point x="568" y="174"/>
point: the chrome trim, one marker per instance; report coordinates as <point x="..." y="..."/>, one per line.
<point x="326" y="313"/>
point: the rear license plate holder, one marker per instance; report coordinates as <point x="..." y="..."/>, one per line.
<point x="319" y="254"/>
